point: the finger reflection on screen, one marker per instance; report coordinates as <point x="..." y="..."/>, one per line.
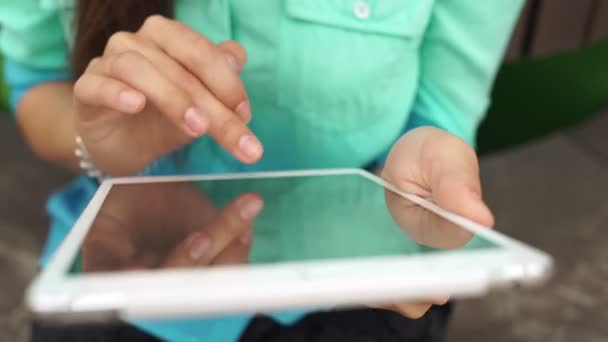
<point x="153" y="225"/>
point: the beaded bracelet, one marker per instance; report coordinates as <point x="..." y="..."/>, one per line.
<point x="85" y="161"/>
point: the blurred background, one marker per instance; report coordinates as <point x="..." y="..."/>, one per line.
<point x="544" y="164"/>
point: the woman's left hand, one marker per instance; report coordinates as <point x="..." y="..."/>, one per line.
<point x="437" y="165"/>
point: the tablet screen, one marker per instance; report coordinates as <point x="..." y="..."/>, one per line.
<point x="196" y="224"/>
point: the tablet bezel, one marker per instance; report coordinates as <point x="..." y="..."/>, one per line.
<point x="344" y="282"/>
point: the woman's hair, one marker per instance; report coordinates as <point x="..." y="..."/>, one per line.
<point x="97" y="20"/>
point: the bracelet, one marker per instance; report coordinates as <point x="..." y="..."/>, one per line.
<point x="85" y="161"/>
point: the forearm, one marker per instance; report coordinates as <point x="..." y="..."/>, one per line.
<point x="46" y="118"/>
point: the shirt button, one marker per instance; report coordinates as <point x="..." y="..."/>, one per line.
<point x="361" y="9"/>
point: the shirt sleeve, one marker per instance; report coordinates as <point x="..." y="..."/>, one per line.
<point x="20" y="78"/>
<point x="33" y="41"/>
<point x="459" y="56"/>
<point x="460" y="53"/>
<point x="32" y="34"/>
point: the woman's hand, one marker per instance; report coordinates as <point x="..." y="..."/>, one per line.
<point x="157" y="89"/>
<point x="424" y="226"/>
<point x="439" y="166"/>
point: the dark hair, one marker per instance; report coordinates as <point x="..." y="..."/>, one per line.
<point x="97" y="20"/>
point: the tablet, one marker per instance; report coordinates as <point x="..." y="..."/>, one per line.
<point x="323" y="239"/>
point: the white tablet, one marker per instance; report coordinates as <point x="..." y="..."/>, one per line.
<point x="324" y="239"/>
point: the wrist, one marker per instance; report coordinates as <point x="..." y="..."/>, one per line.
<point x="105" y="155"/>
<point x="85" y="162"/>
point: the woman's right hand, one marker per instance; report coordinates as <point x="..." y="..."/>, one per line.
<point x="157" y="89"/>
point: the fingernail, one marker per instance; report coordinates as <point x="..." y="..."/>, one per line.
<point x="246" y="237"/>
<point x="251" y="208"/>
<point x="244" y="111"/>
<point x="232" y="63"/>
<point x="130" y="99"/>
<point x="195" y="122"/>
<point x="250" y="146"/>
<point x="198" y="246"/>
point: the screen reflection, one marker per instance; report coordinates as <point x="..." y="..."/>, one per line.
<point x="154" y="225"/>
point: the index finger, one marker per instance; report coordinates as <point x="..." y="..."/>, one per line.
<point x="217" y="68"/>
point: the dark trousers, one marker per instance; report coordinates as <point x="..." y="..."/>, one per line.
<point x="360" y="325"/>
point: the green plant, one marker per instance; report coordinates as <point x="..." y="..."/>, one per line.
<point x="3" y="89"/>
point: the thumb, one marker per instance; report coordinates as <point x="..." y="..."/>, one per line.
<point x="461" y="194"/>
<point x="235" y="54"/>
<point x="452" y="171"/>
<point x="429" y="161"/>
<point x="236" y="57"/>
